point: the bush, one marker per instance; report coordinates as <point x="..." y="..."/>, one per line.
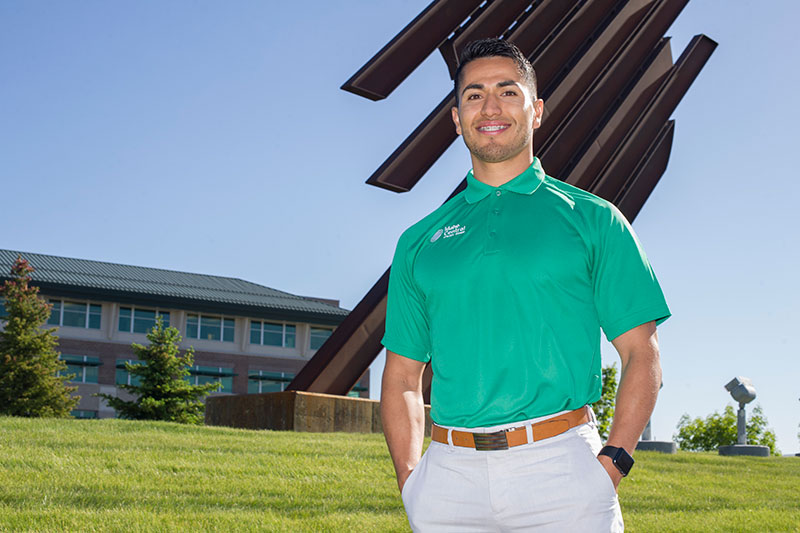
<point x="162" y="392"/>
<point x="708" y="434"/>
<point x="604" y="407"/>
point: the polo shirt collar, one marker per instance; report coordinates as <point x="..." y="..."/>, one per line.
<point x="525" y="183"/>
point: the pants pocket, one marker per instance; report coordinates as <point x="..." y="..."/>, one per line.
<point x="591" y="446"/>
<point x="411" y="478"/>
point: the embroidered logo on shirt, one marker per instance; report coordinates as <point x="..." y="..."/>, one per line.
<point x="452" y="231"/>
<point x="448" y="231"/>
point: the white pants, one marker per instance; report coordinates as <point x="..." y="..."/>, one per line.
<point x="555" y="484"/>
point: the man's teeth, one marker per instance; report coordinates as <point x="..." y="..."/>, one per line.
<point x="492" y="128"/>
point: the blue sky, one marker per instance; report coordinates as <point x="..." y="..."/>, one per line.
<point x="212" y="137"/>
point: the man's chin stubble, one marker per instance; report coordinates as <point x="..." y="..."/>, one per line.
<point x="496" y="154"/>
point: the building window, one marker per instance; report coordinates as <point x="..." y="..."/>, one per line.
<point x="84" y="367"/>
<point x="262" y="381"/>
<point x="212" y="328"/>
<point x="75" y="314"/>
<point x="137" y="320"/>
<point x="82" y="413"/>
<point x="200" y="375"/>
<point x="124" y="377"/>
<point x="273" y="334"/>
<point x="3" y="312"/>
<point x="318" y="337"/>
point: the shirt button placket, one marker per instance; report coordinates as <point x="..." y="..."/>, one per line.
<point x="494" y="222"/>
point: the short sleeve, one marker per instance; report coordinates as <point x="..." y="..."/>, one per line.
<point x="407" y="324"/>
<point x="626" y="291"/>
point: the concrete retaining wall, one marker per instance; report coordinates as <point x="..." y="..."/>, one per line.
<point x="298" y="411"/>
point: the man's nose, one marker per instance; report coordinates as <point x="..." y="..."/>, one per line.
<point x="491" y="106"/>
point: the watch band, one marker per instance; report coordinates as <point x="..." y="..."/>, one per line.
<point x="620" y="457"/>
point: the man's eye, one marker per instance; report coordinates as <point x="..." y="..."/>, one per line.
<point x="510" y="93"/>
<point x="473" y="96"/>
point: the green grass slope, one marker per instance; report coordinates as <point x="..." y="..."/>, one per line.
<point x="115" y="475"/>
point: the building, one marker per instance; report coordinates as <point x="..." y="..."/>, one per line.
<point x="248" y="337"/>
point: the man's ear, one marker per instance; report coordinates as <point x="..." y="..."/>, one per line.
<point x="456" y="120"/>
<point x="538" y="108"/>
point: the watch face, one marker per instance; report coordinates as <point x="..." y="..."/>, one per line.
<point x="623" y="461"/>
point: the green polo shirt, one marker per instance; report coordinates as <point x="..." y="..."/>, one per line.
<point x="505" y="290"/>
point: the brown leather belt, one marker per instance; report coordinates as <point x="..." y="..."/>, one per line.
<point x="503" y="440"/>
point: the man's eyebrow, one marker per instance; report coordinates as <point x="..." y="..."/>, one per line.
<point x="507" y="83"/>
<point x="478" y="86"/>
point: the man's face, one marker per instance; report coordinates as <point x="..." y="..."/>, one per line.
<point x="497" y="113"/>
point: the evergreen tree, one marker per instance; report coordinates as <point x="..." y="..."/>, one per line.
<point x="31" y="383"/>
<point x="708" y="434"/>
<point x="162" y="392"/>
<point x="604" y="407"/>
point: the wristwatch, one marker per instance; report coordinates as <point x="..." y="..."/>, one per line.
<point x="621" y="459"/>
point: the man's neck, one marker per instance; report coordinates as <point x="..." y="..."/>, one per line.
<point x="497" y="174"/>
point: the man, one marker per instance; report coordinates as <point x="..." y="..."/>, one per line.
<point x="505" y="289"/>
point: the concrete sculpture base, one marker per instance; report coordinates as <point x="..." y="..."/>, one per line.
<point x="298" y="411"/>
<point x="744" y="449"/>
<point x="663" y="446"/>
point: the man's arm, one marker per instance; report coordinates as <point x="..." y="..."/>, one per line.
<point x="403" y="412"/>
<point x="638" y="390"/>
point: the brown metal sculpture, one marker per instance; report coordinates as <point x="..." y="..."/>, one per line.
<point x="609" y="87"/>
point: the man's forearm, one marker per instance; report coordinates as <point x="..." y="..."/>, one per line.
<point x="636" y="398"/>
<point x="403" y="418"/>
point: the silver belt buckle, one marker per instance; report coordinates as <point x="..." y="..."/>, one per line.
<point x="490" y="441"/>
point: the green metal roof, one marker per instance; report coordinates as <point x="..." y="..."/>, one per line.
<point x="76" y="278"/>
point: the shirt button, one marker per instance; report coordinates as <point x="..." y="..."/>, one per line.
<point x="492" y="234"/>
<point x="498" y="193"/>
<point x="496" y="211"/>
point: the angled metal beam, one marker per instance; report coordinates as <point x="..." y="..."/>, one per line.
<point x="537" y="30"/>
<point x="558" y="58"/>
<point x="596" y="105"/>
<point x="686" y="69"/>
<point x="419" y="151"/>
<point x="492" y="21"/>
<point x="651" y="168"/>
<point x="575" y="77"/>
<point x="358" y="336"/>
<point x="427" y="379"/>
<point x="394" y="62"/>
<point x="595" y="155"/>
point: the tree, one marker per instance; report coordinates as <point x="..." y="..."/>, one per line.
<point x="604" y="407"/>
<point x="708" y="434"/>
<point x="31" y="379"/>
<point x="162" y="392"/>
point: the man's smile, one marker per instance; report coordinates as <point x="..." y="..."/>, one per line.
<point x="493" y="128"/>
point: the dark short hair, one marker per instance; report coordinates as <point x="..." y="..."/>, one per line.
<point x="495" y="48"/>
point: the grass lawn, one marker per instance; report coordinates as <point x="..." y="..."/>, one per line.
<point x="115" y="475"/>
